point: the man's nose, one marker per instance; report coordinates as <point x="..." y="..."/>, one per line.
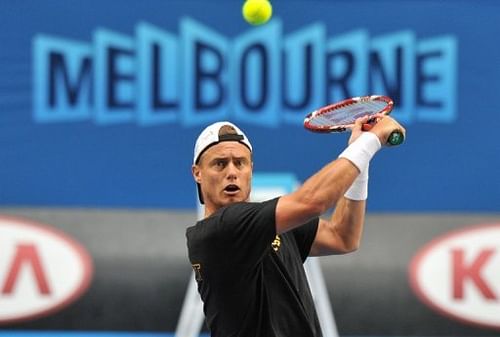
<point x="231" y="171"/>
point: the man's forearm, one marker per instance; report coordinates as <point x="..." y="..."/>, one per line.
<point x="348" y="219"/>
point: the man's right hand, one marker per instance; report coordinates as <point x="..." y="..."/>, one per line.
<point x="384" y="126"/>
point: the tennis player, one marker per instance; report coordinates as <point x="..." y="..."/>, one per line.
<point x="248" y="257"/>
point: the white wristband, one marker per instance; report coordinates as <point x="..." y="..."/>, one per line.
<point x="361" y="151"/>
<point x="359" y="187"/>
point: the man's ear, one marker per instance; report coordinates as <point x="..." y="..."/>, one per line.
<point x="195" y="169"/>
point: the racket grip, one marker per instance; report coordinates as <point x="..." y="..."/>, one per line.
<point x="396" y="138"/>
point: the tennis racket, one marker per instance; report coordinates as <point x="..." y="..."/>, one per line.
<point x="340" y="116"/>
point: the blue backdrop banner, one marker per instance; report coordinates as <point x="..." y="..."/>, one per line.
<point x="101" y="101"/>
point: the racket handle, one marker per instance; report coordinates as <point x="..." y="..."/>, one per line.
<point x="396" y="138"/>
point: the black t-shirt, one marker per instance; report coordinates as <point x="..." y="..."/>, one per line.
<point x="251" y="281"/>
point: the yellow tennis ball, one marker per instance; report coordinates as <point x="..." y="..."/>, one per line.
<point x="257" y="12"/>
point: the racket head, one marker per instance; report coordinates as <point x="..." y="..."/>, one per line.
<point x="340" y="116"/>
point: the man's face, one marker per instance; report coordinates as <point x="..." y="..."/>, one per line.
<point x="224" y="173"/>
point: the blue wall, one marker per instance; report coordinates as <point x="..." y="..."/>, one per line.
<point x="101" y="101"/>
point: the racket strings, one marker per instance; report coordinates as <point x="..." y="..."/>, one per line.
<point x="347" y="113"/>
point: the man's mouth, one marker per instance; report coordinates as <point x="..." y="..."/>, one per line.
<point x="231" y="189"/>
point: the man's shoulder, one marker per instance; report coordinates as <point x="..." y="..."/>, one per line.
<point x="203" y="227"/>
<point x="208" y="226"/>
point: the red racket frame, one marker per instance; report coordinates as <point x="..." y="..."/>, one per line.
<point x="343" y="127"/>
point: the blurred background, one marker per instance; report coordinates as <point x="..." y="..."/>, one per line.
<point x="100" y="105"/>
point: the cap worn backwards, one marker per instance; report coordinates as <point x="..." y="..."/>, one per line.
<point x="216" y="133"/>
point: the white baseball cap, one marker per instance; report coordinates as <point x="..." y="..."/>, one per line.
<point x="211" y="136"/>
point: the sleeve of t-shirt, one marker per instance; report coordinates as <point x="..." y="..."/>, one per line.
<point x="304" y="236"/>
<point x="248" y="229"/>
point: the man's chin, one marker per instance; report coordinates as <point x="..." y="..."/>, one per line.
<point x="231" y="199"/>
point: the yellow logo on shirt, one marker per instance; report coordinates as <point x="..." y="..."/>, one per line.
<point x="276" y="243"/>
